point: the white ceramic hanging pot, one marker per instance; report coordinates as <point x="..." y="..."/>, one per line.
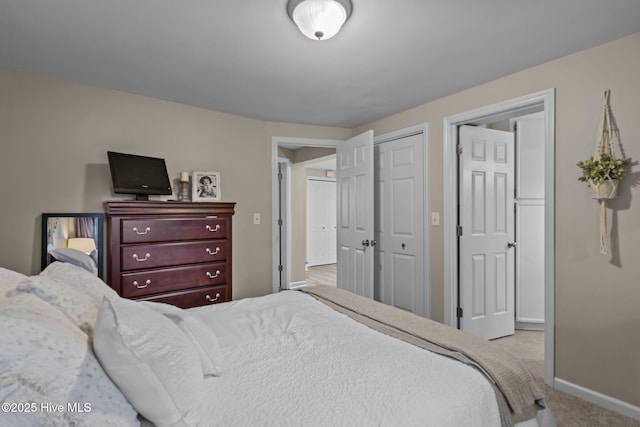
<point x="605" y="189"/>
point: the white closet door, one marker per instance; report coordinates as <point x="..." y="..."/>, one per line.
<point x="321" y="221"/>
<point x="399" y="224"/>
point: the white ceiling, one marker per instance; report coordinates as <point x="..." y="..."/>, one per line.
<point x="247" y="58"/>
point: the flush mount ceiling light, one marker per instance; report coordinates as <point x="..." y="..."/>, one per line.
<point x="319" y="19"/>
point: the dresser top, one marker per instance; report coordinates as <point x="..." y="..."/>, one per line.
<point x="144" y="207"/>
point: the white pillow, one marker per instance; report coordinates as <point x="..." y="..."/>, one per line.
<point x="79" y="278"/>
<point x="153" y="363"/>
<point x="76" y="303"/>
<point x="46" y="359"/>
<point x="204" y="340"/>
<point x="75" y="257"/>
<point x="8" y="280"/>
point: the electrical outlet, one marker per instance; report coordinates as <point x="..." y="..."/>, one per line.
<point x="256" y="219"/>
<point x="435" y="219"/>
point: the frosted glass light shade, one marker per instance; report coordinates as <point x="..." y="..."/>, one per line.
<point x="319" y="19"/>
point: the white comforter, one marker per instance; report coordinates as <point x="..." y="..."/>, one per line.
<point x="291" y="360"/>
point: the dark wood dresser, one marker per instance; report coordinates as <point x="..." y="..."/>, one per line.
<point x="173" y="252"/>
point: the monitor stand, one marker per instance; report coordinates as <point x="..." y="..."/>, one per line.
<point x="142" y="197"/>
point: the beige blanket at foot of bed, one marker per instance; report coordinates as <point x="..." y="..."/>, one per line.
<point x="518" y="396"/>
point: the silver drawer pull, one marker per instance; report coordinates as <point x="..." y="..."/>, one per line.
<point x="213" y="299"/>
<point x="216" y="252"/>
<point x="214" y="229"/>
<point x="139" y="286"/>
<point x="213" y="276"/>
<point x="140" y="233"/>
<point x="146" y="257"/>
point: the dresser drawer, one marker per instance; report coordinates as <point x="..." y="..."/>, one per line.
<point x="171" y="279"/>
<point x="138" y="257"/>
<point x="162" y="230"/>
<point x="194" y="298"/>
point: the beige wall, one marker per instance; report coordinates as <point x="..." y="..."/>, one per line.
<point x="54" y="136"/>
<point x="597" y="297"/>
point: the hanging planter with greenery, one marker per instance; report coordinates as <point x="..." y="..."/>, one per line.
<point x="604" y="171"/>
<point x="603" y="174"/>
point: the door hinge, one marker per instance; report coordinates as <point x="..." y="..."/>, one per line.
<point x="459" y="230"/>
<point x="459" y="312"/>
<point x="280" y="222"/>
<point x="459" y="149"/>
<point x="280" y="176"/>
<point x="280" y="268"/>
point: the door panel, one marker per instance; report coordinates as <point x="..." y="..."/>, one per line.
<point x="487" y="218"/>
<point x="404" y="271"/>
<point x="355" y="215"/>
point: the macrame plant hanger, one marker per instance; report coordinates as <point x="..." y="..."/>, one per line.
<point x="607" y="188"/>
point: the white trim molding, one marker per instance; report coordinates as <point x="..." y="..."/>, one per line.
<point x="297" y="285"/>
<point x="599" y="399"/>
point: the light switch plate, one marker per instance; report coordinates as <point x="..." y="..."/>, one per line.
<point x="435" y="219"/>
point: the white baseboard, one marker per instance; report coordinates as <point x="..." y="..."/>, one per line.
<point x="297" y="285"/>
<point x="599" y="399"/>
<point x="530" y="326"/>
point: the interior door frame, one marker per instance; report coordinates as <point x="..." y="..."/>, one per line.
<point x="492" y="113"/>
<point x="285" y="142"/>
<point x="284" y="213"/>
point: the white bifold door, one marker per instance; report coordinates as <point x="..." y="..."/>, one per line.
<point x="486" y="231"/>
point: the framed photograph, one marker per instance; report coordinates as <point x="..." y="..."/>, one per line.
<point x="205" y="187"/>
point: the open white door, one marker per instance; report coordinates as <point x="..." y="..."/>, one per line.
<point x="354" y="179"/>
<point x="487" y="232"/>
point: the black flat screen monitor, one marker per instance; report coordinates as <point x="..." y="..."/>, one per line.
<point x="139" y="175"/>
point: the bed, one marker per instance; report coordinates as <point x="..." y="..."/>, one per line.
<point x="74" y="353"/>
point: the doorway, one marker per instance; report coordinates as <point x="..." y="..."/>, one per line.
<point x="403" y="233"/>
<point x="288" y="265"/>
<point x="544" y="101"/>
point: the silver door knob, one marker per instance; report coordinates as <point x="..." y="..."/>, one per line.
<point x="365" y="243"/>
<point x="373" y="243"/>
<point x="512" y="244"/>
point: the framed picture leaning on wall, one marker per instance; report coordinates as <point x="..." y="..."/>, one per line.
<point x="205" y="187"/>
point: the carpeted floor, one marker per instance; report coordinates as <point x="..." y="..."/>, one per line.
<point x="569" y="411"/>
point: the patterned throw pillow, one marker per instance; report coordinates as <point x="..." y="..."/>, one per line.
<point x="46" y="361"/>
